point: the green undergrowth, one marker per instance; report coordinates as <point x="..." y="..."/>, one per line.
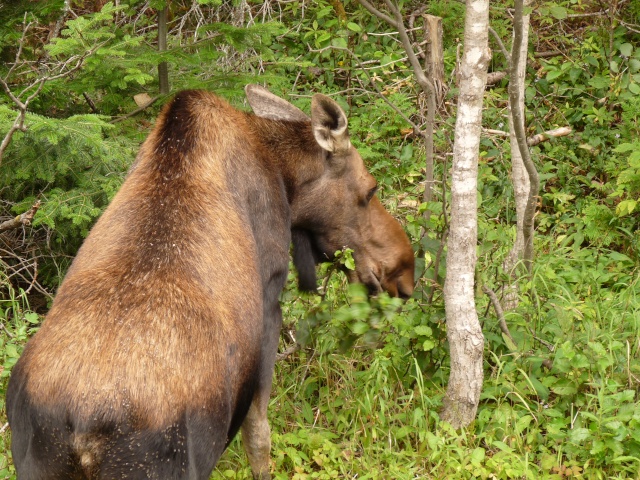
<point x="560" y="401"/>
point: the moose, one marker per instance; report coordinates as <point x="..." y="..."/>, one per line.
<point x="161" y="342"/>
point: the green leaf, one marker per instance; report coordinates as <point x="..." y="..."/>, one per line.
<point x="32" y="317"/>
<point x="564" y="391"/>
<point x="523" y="423"/>
<point x="477" y="456"/>
<point x="558" y="12"/>
<point x="625" y="147"/>
<point x="599" y="81"/>
<point x="626" y="49"/>
<point x="423" y="330"/>
<point x="626" y="207"/>
<point x="502" y="446"/>
<point x="579" y="435"/>
<point x="354" y="27"/>
<point x="553" y="74"/>
<point x="360" y="328"/>
<point x="509" y="343"/>
<point x="339" y="42"/>
<point x="428" y="345"/>
<point x="11" y="351"/>
<point x="350" y="263"/>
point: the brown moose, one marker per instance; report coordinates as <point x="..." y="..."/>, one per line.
<point x="162" y="339"/>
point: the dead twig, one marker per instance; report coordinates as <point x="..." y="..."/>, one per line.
<point x="502" y="322"/>
<point x="23" y="219"/>
<point x="291" y="349"/>
<point x="537" y="138"/>
<point x="9" y="334"/>
<point x="541" y="137"/>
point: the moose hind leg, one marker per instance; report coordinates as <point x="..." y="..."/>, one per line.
<point x="256" y="438"/>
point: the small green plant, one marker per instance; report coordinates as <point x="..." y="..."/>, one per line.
<point x="18" y="323"/>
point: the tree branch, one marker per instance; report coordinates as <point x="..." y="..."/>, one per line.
<point x="518" y="126"/>
<point x="22" y="106"/>
<point x="503" y="49"/>
<point x="541" y="137"/>
<point x="499" y="312"/>
<point x="374" y="11"/>
<point x="538" y="138"/>
<point x="23" y="219"/>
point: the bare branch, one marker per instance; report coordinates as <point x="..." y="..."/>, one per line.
<point x="541" y="137"/>
<point x="499" y="312"/>
<point x="374" y="11"/>
<point x="536" y="139"/>
<point x="22" y="106"/>
<point x="503" y="49"/>
<point x="290" y="350"/>
<point x="21" y="220"/>
<point x="25" y="27"/>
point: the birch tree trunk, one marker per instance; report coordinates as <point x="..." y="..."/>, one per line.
<point x="520" y="177"/>
<point x="466" y="341"/>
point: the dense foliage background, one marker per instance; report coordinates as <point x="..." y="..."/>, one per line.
<point x="360" y="398"/>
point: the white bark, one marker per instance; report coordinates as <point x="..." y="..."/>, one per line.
<point x="520" y="177"/>
<point x="463" y="328"/>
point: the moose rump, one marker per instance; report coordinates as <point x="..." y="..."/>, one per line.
<point x="161" y="342"/>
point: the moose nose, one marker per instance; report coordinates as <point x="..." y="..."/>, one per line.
<point x="405" y="287"/>
<point x="403" y="294"/>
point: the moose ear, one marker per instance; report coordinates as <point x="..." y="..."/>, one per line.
<point x="329" y="124"/>
<point x="267" y="105"/>
<point x="304" y="260"/>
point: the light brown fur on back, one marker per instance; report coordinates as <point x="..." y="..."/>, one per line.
<point x="155" y="309"/>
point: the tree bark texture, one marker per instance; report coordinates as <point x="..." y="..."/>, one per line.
<point x="434" y="56"/>
<point x="520" y="177"/>
<point x="466" y="340"/>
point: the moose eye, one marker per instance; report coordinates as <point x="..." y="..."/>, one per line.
<point x="371" y="193"/>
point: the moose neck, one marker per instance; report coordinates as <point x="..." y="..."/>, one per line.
<point x="292" y="151"/>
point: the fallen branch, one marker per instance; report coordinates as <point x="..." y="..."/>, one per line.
<point x="23" y="219"/>
<point x="495" y="77"/>
<point x="541" y="137"/>
<point x="291" y="349"/>
<point x="536" y="139"/>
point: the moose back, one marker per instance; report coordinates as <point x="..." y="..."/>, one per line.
<point x="161" y="342"/>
